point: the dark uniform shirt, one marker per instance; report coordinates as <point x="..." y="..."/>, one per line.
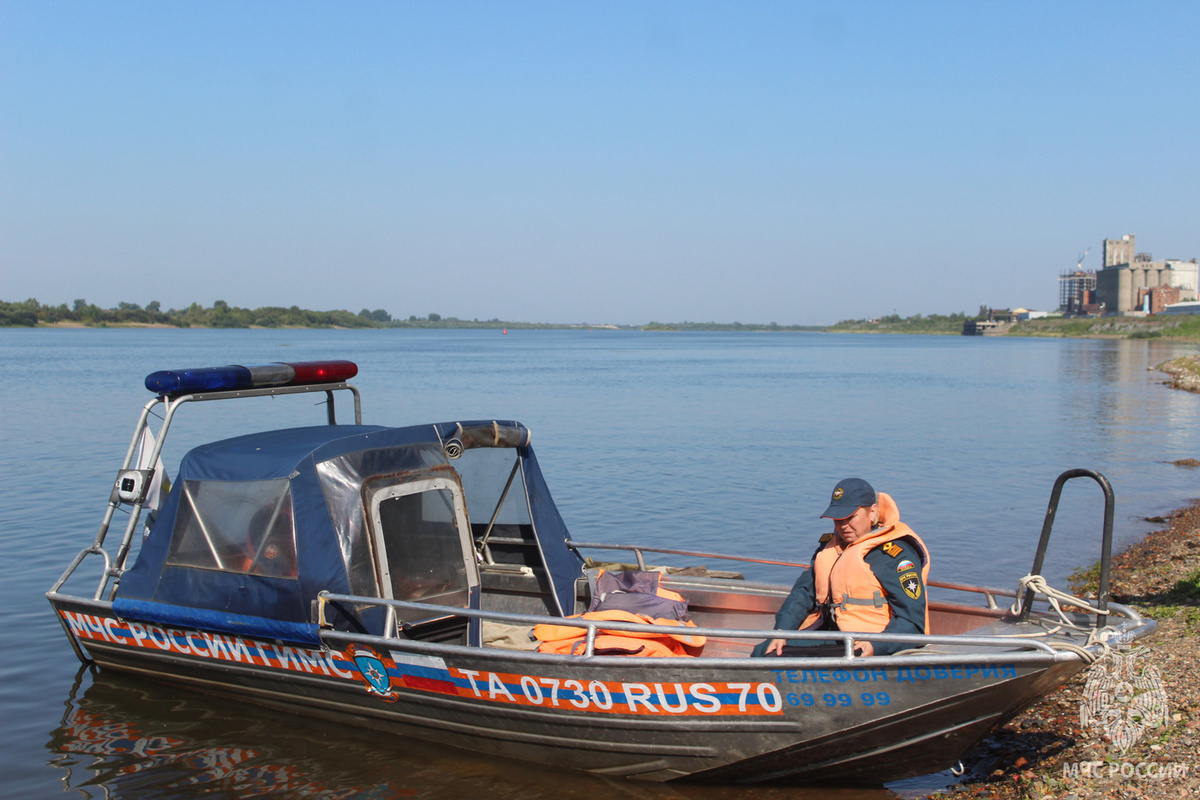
<point x="907" y="604"/>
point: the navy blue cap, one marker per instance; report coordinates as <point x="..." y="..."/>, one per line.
<point x="848" y="496"/>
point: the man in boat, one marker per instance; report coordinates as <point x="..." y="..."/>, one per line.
<point x="868" y="576"/>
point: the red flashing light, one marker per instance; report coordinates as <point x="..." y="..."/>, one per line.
<point x="323" y="371"/>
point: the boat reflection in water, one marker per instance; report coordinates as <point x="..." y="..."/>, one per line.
<point x="123" y="738"/>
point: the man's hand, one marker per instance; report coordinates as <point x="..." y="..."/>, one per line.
<point x="776" y="647"/>
<point x="864" y="648"/>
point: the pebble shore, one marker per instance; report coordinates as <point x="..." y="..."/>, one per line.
<point x="1184" y="372"/>
<point x="1046" y="752"/>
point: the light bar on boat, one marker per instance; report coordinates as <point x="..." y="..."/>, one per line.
<point x="235" y="376"/>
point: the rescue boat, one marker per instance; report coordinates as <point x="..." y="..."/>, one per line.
<point x="391" y="578"/>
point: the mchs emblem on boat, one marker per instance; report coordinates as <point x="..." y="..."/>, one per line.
<point x="393" y="576"/>
<point x="373" y="668"/>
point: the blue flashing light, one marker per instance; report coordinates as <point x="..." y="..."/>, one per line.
<point x="234" y="376"/>
<point x="204" y="379"/>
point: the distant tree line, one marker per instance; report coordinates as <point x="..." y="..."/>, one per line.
<point x="31" y="313"/>
<point x="222" y="315"/>
<point x="894" y="323"/>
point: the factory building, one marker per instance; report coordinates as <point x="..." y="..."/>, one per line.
<point x="1132" y="283"/>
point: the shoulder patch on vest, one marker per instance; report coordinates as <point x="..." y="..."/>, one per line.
<point x="892" y="549"/>
<point x="904" y="566"/>
<point x="911" y="584"/>
<point x="825" y="538"/>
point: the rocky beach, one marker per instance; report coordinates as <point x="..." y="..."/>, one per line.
<point x="1184" y="372"/>
<point x="1048" y="751"/>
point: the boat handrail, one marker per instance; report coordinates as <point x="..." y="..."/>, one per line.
<point x="75" y="562"/>
<point x="1105" y="540"/>
<point x="594" y="626"/>
<point x="990" y="593"/>
<point x="638" y="550"/>
<point x="980" y="660"/>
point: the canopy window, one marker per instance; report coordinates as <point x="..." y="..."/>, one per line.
<point x="496" y="495"/>
<point x="236" y="526"/>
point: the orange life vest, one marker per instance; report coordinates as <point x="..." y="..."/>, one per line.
<point x="847" y="586"/>
<point x="573" y="640"/>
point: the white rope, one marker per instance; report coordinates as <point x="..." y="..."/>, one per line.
<point x="1054" y="596"/>
<point x="1057" y="598"/>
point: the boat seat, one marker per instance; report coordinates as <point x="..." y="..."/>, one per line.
<point x="507" y="637"/>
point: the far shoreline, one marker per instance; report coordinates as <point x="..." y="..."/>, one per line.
<point x="31" y="313"/>
<point x="656" y="328"/>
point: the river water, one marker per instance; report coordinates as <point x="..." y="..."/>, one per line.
<point x="725" y="442"/>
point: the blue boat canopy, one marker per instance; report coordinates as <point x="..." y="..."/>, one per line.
<point x="256" y="526"/>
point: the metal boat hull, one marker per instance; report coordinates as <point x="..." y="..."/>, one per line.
<point x="698" y="719"/>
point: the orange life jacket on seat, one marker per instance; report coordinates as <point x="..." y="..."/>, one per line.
<point x="847" y="586"/>
<point x="573" y="640"/>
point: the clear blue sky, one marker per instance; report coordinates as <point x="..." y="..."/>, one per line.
<point x="795" y="162"/>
